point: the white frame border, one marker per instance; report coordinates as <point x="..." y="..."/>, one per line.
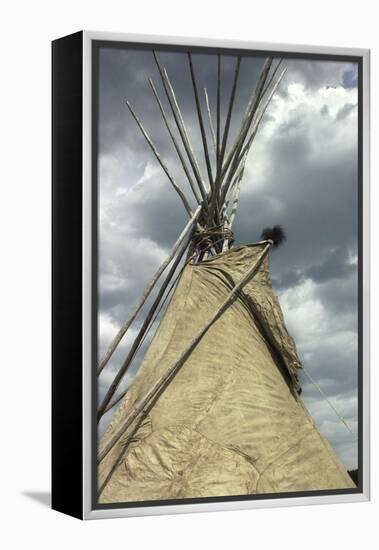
<point x="88" y="512"/>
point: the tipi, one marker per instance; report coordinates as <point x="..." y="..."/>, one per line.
<point x="215" y="407"/>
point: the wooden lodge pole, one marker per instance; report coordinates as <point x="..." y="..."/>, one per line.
<point x="117" y="339"/>
<point x="141" y="333"/>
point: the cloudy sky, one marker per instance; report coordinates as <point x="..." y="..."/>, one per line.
<point x="301" y="173"/>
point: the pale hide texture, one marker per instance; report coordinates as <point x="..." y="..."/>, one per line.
<point x="231" y="421"/>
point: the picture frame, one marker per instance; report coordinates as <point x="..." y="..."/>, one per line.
<point x="76" y="234"/>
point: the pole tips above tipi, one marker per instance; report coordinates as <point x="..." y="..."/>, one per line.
<point x="216" y="191"/>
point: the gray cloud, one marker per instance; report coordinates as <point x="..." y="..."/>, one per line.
<point x="345" y="111"/>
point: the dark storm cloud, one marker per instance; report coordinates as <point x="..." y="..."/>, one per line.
<point x="320" y="234"/>
<point x="326" y="73"/>
<point x="302" y="175"/>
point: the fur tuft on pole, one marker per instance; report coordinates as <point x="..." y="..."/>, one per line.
<point x="276" y="234"/>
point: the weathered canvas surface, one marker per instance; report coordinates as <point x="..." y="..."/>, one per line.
<point x="231" y="421"/>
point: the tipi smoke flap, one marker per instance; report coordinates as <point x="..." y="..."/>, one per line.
<point x="215" y="408"/>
